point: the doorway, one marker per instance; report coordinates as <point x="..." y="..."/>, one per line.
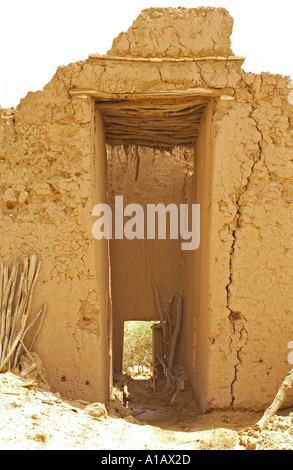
<point x="137" y="349"/>
<point x="164" y="177"/>
<point x="151" y="158"/>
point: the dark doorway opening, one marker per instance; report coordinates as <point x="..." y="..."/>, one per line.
<point x="151" y="158"/>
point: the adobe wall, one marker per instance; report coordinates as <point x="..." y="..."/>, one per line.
<point x="46" y="200"/>
<point x="53" y="172"/>
<point x="251" y="257"/>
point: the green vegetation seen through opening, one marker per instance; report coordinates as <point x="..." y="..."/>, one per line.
<point x="137" y="349"/>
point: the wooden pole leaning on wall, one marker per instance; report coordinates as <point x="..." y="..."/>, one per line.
<point x="278" y="400"/>
<point x="175" y="336"/>
<point x="170" y="325"/>
<point x="16" y="293"/>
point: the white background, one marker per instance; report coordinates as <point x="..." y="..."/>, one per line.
<point x="38" y="36"/>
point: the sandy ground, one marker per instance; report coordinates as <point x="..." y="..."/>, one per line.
<point x="34" y="418"/>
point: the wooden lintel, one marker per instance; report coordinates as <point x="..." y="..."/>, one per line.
<point x="153" y="143"/>
<point x="155" y="60"/>
<point x="187" y="93"/>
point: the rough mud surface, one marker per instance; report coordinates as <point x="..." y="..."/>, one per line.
<point x="32" y="417"/>
<point x="176" y="32"/>
<point x="240" y="281"/>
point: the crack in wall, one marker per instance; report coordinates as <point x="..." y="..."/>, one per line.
<point x="238" y="328"/>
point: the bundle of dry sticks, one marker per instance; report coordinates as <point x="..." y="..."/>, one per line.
<point x="16" y="291"/>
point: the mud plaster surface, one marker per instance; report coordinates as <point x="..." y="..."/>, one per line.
<point x="257" y="197"/>
<point x="47" y="155"/>
<point x="176" y="32"/>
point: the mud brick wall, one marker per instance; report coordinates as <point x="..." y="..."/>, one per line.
<point x="238" y="284"/>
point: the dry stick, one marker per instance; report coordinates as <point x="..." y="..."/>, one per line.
<point x="10" y="313"/>
<point x="162" y="322"/>
<point x="278" y="400"/>
<point x="19" y="318"/>
<point x="28" y="370"/>
<point x="5" y="280"/>
<point x="12" y="283"/>
<point x="21" y="299"/>
<point x="160" y="311"/>
<point x="17" y="303"/>
<point x="9" y="284"/>
<point x="1" y="290"/>
<point x="32" y="366"/>
<point x="17" y="354"/>
<point x="12" y="349"/>
<point x="34" y="320"/>
<point x="33" y="275"/>
<point x="44" y="310"/>
<point x="169" y="318"/>
<point x="19" y="337"/>
<point x="5" y="302"/>
<point x="165" y="367"/>
<point x="175" y="334"/>
<point x="27" y="351"/>
<point x="172" y="401"/>
<point x="16" y="346"/>
<point x="1" y="286"/>
<point x="31" y="270"/>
